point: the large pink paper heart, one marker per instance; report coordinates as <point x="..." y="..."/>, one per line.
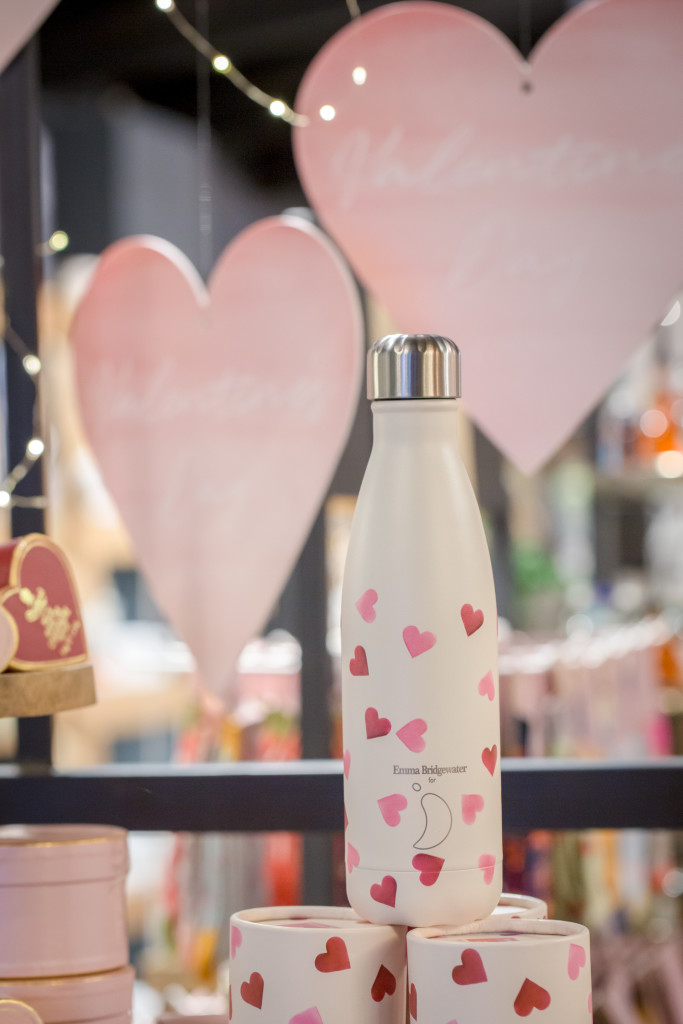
<point x="18" y="22"/>
<point x="531" y="211"/>
<point x="218" y="417"/>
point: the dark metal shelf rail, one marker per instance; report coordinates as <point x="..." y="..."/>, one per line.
<point x="306" y="796"/>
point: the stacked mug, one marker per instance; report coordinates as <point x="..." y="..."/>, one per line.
<point x="64" y="955"/>
<point x="430" y="938"/>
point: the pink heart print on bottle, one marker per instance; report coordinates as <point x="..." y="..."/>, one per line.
<point x="419" y="658"/>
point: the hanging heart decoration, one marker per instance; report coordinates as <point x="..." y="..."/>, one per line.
<point x="18" y="22"/>
<point x="218" y="416"/>
<point x="533" y="211"/>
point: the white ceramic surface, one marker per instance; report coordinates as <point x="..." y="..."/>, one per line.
<point x="315" y="965"/>
<point x="517" y="969"/>
<point x="419" y="681"/>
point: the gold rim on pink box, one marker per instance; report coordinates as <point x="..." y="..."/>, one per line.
<point x="13" y="1011"/>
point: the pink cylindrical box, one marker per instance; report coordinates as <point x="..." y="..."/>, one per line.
<point x="315" y="965"/>
<point x="62" y="900"/>
<point x="85" y="999"/>
<point x="517" y="969"/>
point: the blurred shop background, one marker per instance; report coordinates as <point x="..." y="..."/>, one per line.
<point x="139" y="138"/>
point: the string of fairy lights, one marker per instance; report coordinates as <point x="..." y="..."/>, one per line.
<point x="58" y="241"/>
<point x="32" y="366"/>
<point x="226" y="67"/>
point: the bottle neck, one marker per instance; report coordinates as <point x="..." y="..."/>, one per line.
<point x="408" y="420"/>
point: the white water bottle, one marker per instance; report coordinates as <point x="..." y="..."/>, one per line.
<point x="419" y="658"/>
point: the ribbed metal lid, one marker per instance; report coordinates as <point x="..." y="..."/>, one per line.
<point x="413" y="366"/>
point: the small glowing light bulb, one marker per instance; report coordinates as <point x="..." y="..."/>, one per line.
<point x="277" y="108"/>
<point x="673" y="315"/>
<point x="58" y="241"/>
<point x="35" y="448"/>
<point x="669" y="464"/>
<point x="359" y="76"/>
<point x="165" y="5"/>
<point x="653" y="423"/>
<point x="328" y="113"/>
<point x="31" y="364"/>
<point x="4" y="499"/>
<point x="221" y="62"/>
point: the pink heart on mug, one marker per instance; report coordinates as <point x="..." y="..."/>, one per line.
<point x="346" y="759"/>
<point x="417" y="642"/>
<point x="235" y="940"/>
<point x="472" y="804"/>
<point x="429" y="867"/>
<point x="391" y="807"/>
<point x="472" y="618"/>
<point x="311" y="1016"/>
<point x="385" y="891"/>
<point x="352" y="857"/>
<point x="531" y="997"/>
<point x="518" y="205"/>
<point x="374" y="725"/>
<point x="217" y="417"/>
<point x="470" y="970"/>
<point x="577" y="960"/>
<point x="411" y="734"/>
<point x="366" y="605"/>
<point x="358" y="665"/>
<point x="487" y="863"/>
<point x="486" y="686"/>
<point x="489" y="757"/>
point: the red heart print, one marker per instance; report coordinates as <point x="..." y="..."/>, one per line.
<point x="486" y="686"/>
<point x="347" y="763"/>
<point x="374" y="725"/>
<point x="577" y="960"/>
<point x="531" y="997"/>
<point x="335" y="959"/>
<point x="366" y="605"/>
<point x="428" y="866"/>
<point x="412" y="1002"/>
<point x="489" y="756"/>
<point x="472" y="618"/>
<point x="346" y="819"/>
<point x="235" y="940"/>
<point x="252" y="990"/>
<point x="471" y="970"/>
<point x="352" y="857"/>
<point x="38" y="594"/>
<point x="417" y="642"/>
<point x="411" y="734"/>
<point x="391" y="807"/>
<point x="311" y="1016"/>
<point x="358" y="666"/>
<point x="383" y="985"/>
<point x="487" y="863"/>
<point x="472" y="804"/>
<point x="385" y="891"/>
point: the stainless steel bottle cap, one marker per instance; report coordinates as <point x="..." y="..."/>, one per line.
<point x="413" y="366"/>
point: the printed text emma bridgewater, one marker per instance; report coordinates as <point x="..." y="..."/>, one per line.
<point x="431" y="769"/>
